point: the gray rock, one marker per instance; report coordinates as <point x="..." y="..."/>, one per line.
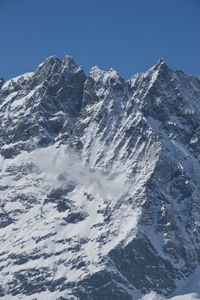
<point x="99" y="182"/>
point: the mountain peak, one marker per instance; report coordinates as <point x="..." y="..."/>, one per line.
<point x="70" y="64"/>
<point x="67" y="63"/>
<point x="161" y="61"/>
<point x="49" y="61"/>
<point x="95" y="73"/>
<point x="94" y="164"/>
<point x="52" y="58"/>
<point x="161" y="65"/>
<point x="68" y="59"/>
<point x="103" y="75"/>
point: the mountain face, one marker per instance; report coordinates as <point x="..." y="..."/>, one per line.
<point x="99" y="182"/>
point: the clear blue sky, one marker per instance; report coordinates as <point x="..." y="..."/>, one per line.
<point x="128" y="35"/>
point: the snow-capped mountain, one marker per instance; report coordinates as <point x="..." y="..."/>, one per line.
<point x="99" y="182"/>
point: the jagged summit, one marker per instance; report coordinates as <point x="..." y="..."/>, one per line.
<point x="53" y="64"/>
<point x="51" y="60"/>
<point x="49" y="63"/>
<point x="99" y="182"/>
<point x="160" y="62"/>
<point x="44" y="102"/>
<point x="69" y="61"/>
<point x="95" y="72"/>
<point x="161" y="68"/>
<point x="102" y="75"/>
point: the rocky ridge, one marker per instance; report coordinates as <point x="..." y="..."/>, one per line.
<point x="99" y="182"/>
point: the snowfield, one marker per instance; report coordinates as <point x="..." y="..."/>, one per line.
<point x="99" y="184"/>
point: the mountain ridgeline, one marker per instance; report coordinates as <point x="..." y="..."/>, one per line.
<point x="99" y="182"/>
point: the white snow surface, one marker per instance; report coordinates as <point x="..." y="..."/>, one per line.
<point x="124" y="146"/>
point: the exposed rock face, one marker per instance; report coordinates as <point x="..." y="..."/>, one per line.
<point x="37" y="108"/>
<point x="99" y="182"/>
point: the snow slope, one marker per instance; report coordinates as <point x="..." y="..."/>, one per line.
<point x="99" y="183"/>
